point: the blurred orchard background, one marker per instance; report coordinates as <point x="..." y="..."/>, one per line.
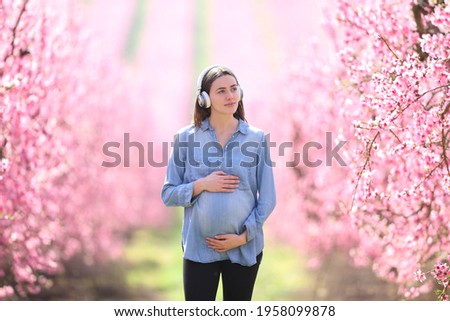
<point x="75" y="75"/>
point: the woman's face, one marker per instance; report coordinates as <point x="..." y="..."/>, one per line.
<point x="224" y="95"/>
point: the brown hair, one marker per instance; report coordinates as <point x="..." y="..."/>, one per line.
<point x="200" y="113"/>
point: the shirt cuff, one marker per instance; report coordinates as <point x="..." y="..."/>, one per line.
<point x="250" y="226"/>
<point x="189" y="200"/>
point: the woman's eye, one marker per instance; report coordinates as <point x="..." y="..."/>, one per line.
<point x="233" y="89"/>
<point x="221" y="91"/>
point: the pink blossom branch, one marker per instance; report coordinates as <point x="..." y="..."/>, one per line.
<point x="392" y="132"/>
<point x="444" y="140"/>
<point x="14" y="30"/>
<point x="368" y="152"/>
<point x="419" y="97"/>
<point x="429" y="174"/>
<point x="428" y="107"/>
<point x="418" y="11"/>
<point x="389" y="47"/>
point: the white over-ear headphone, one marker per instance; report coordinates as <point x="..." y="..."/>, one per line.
<point x="202" y="96"/>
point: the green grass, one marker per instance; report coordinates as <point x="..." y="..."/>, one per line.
<point x="155" y="261"/>
<point x="282" y="275"/>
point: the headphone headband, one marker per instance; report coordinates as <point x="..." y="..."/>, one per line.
<point x="202" y="75"/>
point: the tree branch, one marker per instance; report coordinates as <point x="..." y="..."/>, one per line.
<point x="444" y="140"/>
<point x="396" y="136"/>
<point x="14" y="30"/>
<point x="419" y="10"/>
<point x="389" y="47"/>
<point x="429" y="174"/>
<point x="421" y="96"/>
<point x="366" y="163"/>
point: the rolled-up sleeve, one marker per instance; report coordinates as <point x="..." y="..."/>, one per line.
<point x="174" y="191"/>
<point x="266" y="200"/>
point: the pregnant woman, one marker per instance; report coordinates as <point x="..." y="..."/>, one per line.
<point x="221" y="173"/>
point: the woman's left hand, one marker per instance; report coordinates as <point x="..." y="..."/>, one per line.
<point x="225" y="242"/>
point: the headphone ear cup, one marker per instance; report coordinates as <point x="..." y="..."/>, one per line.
<point x="200" y="100"/>
<point x="204" y="100"/>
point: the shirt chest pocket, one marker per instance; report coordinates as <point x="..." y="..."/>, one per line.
<point x="235" y="167"/>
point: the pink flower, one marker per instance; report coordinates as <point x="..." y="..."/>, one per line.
<point x="420" y="276"/>
<point x="6" y="291"/>
<point x="412" y="293"/>
<point x="441" y="272"/>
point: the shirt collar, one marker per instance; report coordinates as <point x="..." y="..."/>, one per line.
<point x="242" y="126"/>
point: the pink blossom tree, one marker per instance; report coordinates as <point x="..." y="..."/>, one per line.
<point x="386" y="94"/>
<point x="61" y="99"/>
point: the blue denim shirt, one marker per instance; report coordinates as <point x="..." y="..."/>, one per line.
<point x="197" y="153"/>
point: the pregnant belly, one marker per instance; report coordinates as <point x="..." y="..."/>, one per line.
<point x="222" y="213"/>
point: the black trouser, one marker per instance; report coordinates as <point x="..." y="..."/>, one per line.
<point x="201" y="280"/>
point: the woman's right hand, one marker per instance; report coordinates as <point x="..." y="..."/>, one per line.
<point x="216" y="182"/>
